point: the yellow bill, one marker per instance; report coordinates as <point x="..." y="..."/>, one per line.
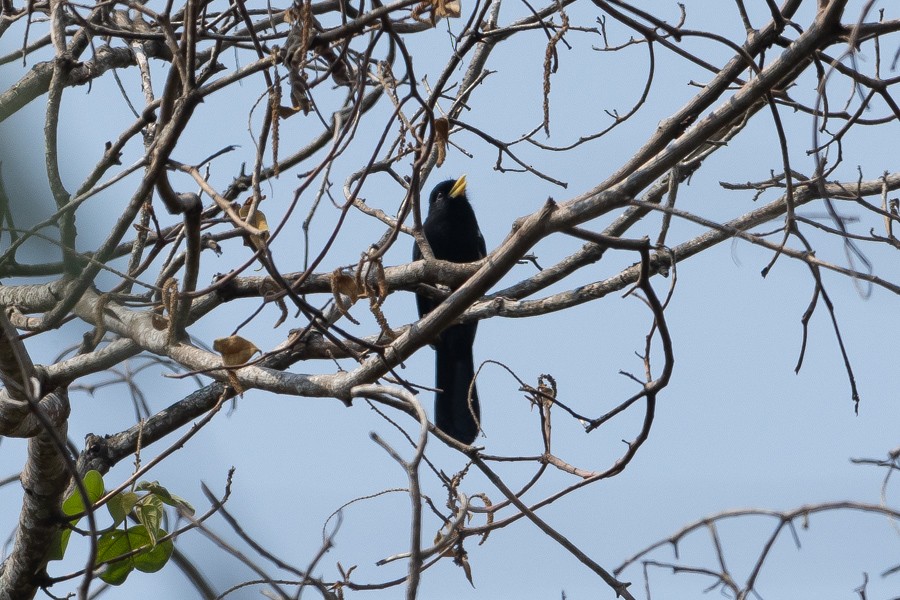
<point x="459" y="188"/>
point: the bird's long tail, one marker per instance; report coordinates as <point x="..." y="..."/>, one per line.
<point x="454" y="371"/>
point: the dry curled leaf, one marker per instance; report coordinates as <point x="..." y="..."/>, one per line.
<point x="436" y="9"/>
<point x="381" y="282"/>
<point x="447" y="8"/>
<point x="269" y="291"/>
<point x="289" y="111"/>
<point x="343" y="285"/>
<point x="546" y="391"/>
<point x="490" y="515"/>
<point x="377" y="294"/>
<point x="551" y="64"/>
<point x="275" y="104"/>
<point x="441" y="138"/>
<point x="461" y="558"/>
<point x="257" y="220"/>
<point x="291" y="15"/>
<point x="235" y="350"/>
<point x="380" y="289"/>
<point x="375" y="307"/>
<point x="282" y="317"/>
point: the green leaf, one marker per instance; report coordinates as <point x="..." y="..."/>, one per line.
<point x="113" y="544"/>
<point x="75" y="504"/>
<point x="167" y="497"/>
<point x="120" y="505"/>
<point x="59" y="543"/>
<point x="180" y="503"/>
<point x="109" y="546"/>
<point x="156" y="558"/>
<point x="154" y="487"/>
<point x="149" y="513"/>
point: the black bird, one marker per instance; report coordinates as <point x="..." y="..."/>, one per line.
<point x="453" y="234"/>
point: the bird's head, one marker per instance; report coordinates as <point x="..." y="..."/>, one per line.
<point x="450" y="189"/>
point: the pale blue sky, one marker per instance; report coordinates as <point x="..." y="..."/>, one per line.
<point x="735" y="428"/>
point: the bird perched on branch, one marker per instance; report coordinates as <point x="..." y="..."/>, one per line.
<point x="453" y="234"/>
